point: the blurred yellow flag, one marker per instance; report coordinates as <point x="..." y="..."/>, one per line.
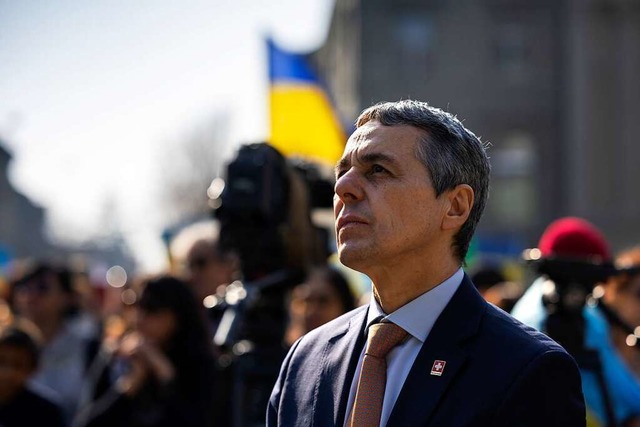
<point x="303" y="122"/>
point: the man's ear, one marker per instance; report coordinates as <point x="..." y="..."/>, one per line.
<point x="460" y="201"/>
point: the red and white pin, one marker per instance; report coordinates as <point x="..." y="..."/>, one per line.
<point x="438" y="367"/>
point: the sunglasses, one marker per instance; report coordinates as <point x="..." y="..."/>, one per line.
<point x="40" y="287"/>
<point x="197" y="263"/>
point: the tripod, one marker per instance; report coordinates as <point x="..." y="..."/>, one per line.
<point x="250" y="337"/>
<point x="565" y="324"/>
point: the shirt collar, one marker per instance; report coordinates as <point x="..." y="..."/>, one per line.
<point x="418" y="316"/>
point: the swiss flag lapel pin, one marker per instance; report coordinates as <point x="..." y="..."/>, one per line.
<point x="438" y="367"/>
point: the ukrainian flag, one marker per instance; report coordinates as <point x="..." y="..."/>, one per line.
<point x="303" y="122"/>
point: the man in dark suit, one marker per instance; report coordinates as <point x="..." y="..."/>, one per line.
<point x="410" y="189"/>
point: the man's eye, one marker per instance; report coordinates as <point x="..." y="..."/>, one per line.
<point x="377" y="169"/>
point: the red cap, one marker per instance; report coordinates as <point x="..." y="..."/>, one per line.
<point x="574" y="238"/>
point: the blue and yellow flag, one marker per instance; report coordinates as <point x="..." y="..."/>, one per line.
<point x="303" y="122"/>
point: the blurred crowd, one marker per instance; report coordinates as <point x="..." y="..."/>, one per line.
<point x="70" y="356"/>
<point x="188" y="347"/>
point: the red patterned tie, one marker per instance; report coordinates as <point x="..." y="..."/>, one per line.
<point x="367" y="407"/>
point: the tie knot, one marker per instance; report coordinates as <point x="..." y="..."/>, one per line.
<point x="383" y="337"/>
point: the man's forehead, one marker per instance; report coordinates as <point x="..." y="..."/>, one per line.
<point x="373" y="134"/>
<point x="365" y="133"/>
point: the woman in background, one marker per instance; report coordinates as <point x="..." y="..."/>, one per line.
<point x="163" y="370"/>
<point x="322" y="297"/>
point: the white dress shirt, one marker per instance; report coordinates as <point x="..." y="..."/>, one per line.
<point x="417" y="318"/>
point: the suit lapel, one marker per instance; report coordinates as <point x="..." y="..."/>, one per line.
<point x="422" y="390"/>
<point x="341" y="357"/>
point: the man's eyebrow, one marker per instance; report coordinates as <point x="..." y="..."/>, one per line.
<point x="342" y="164"/>
<point x="376" y="157"/>
<point x="366" y="158"/>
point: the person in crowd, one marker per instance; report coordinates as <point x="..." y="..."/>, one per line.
<point x="612" y="321"/>
<point x="620" y="300"/>
<point x="45" y="295"/>
<point x="209" y="270"/>
<point x="574" y="251"/>
<point x="162" y="372"/>
<point x="20" y="404"/>
<point x="495" y="288"/>
<point x="323" y="296"/>
<point x="209" y="267"/>
<point x="410" y="189"/>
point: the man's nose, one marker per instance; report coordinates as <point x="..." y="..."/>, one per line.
<point x="348" y="187"/>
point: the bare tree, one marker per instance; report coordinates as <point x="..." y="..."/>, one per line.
<point x="189" y="166"/>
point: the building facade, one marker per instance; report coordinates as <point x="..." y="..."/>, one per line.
<point x="552" y="85"/>
<point x="21" y="221"/>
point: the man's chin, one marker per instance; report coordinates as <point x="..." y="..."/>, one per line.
<point x="352" y="257"/>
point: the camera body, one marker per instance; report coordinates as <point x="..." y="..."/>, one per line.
<point x="253" y="209"/>
<point x="568" y="285"/>
<point x="258" y="211"/>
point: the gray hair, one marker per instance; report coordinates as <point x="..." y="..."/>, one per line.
<point x="452" y="154"/>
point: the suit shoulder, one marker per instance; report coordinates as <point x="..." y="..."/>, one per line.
<point x="317" y="338"/>
<point x="335" y="327"/>
<point x="506" y="331"/>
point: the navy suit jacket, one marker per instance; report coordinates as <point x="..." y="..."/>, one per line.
<point x="498" y="372"/>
